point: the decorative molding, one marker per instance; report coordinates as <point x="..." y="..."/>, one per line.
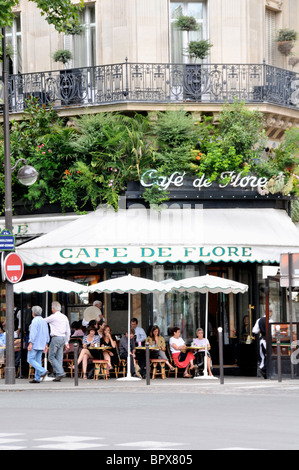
<point x="275" y="5"/>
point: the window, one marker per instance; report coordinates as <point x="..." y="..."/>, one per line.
<point x="83" y="45"/>
<point x="270" y="33"/>
<point x="14" y="46"/>
<point x="179" y="39"/>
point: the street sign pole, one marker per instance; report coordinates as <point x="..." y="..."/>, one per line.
<point x="9" y="296"/>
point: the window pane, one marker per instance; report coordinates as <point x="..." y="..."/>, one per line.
<point x="196" y="10"/>
<point x="85" y="43"/>
<point x="176" y="9"/>
<point x="180" y="39"/>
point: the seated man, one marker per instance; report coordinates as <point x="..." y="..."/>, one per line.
<point x="140" y="337"/>
<point x="17" y="345"/>
<point x="123" y="350"/>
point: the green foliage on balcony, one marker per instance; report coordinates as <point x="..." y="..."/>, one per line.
<point x="89" y="161"/>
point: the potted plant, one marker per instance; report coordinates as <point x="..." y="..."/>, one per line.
<point x="62" y="55"/>
<point x="199" y="49"/>
<point x="293" y="61"/>
<point x="70" y="80"/>
<point x="186" y="23"/>
<point x="286" y="40"/>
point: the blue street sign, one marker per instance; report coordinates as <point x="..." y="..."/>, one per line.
<point x="7" y="241"/>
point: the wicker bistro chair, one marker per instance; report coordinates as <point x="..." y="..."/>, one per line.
<point x="100" y="369"/>
<point x="169" y="355"/>
<point x="2" y="361"/>
<point x="154" y="363"/>
<point x="69" y="358"/>
<point x="122" y="364"/>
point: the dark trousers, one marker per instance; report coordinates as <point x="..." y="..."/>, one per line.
<point x="132" y="368"/>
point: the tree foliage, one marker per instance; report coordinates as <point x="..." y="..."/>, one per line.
<point x="59" y="13"/>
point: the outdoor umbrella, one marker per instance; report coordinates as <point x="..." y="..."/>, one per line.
<point x="131" y="285"/>
<point x="204" y="285"/>
<point x="48" y="284"/>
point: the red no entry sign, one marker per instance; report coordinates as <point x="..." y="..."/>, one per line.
<point x="13" y="268"/>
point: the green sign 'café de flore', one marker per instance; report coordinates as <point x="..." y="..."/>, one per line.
<point x="158" y="253"/>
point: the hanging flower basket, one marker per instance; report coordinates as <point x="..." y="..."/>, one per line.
<point x="285" y="47"/>
<point x="293" y="61"/>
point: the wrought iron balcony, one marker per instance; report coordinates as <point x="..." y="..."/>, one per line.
<point x="156" y="83"/>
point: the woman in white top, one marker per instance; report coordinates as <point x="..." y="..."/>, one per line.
<point x="202" y="342"/>
<point x="177" y="346"/>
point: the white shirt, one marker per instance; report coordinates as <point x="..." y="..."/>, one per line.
<point x="140" y="334"/>
<point x="178" y="342"/>
<point x="200" y="342"/>
<point x="59" y="325"/>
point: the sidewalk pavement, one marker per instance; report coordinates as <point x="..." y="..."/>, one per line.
<point x="169" y="385"/>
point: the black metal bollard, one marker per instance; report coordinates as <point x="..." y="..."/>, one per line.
<point x="147" y="364"/>
<point x="278" y="353"/>
<point x="76" y="363"/>
<point x="221" y="355"/>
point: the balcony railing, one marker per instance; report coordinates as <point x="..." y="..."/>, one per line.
<point x="152" y="83"/>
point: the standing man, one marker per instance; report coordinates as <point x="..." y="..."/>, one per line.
<point x="260" y="329"/>
<point x="60" y="333"/>
<point x="99" y="305"/>
<point x="37" y="344"/>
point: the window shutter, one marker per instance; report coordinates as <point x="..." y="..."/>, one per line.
<point x="270" y="44"/>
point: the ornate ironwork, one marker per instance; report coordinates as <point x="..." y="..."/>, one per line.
<point x="164" y="82"/>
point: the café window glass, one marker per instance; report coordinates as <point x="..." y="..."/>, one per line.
<point x="175" y="309"/>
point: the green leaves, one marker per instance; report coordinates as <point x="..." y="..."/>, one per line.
<point x="59" y="13"/>
<point x="91" y="161"/>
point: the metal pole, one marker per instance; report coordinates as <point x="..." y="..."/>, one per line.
<point x="221" y="355"/>
<point x="278" y="353"/>
<point x="290" y="263"/>
<point x="147" y="362"/>
<point x="76" y="363"/>
<point x="9" y="296"/>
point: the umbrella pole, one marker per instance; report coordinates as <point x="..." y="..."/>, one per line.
<point x="46" y="355"/>
<point x="129" y="376"/>
<point x="205" y="371"/>
<point x="129" y="338"/>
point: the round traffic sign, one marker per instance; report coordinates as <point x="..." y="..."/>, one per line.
<point x="13" y="268"/>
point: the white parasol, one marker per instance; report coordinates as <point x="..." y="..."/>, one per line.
<point x="204" y="285"/>
<point x="46" y="284"/>
<point x="131" y="285"/>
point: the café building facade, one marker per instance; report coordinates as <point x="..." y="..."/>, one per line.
<point x="235" y="230"/>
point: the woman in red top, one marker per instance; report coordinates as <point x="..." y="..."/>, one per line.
<point x="180" y="358"/>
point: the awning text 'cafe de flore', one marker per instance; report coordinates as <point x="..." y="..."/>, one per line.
<point x="232" y="229"/>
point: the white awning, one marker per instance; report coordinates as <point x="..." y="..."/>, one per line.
<point x="170" y="235"/>
<point x="28" y="226"/>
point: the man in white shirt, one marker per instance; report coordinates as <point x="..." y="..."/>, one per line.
<point x="139" y="332"/>
<point x="140" y="354"/>
<point x="60" y="333"/>
<point x="100" y="316"/>
<point x="99" y="305"/>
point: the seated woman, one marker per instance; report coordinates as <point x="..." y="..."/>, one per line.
<point x="110" y="355"/>
<point x="180" y="358"/>
<point x="155" y="339"/>
<point x="202" y="342"/>
<point x="90" y="339"/>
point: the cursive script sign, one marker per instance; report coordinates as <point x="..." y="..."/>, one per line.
<point x="227" y="178"/>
